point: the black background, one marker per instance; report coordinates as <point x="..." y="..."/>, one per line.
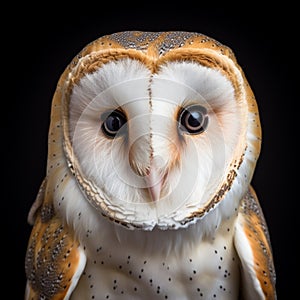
<point x="40" y="48"/>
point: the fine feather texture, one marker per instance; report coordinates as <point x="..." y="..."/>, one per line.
<point x="151" y="104"/>
<point x="155" y="210"/>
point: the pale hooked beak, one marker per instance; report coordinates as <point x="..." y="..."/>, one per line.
<point x="154" y="181"/>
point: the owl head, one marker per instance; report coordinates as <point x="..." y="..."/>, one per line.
<point x="157" y="128"/>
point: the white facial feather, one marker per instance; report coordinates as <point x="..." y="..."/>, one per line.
<point x="193" y="165"/>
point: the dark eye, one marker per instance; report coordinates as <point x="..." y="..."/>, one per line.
<point x="193" y="119"/>
<point x="113" y="123"/>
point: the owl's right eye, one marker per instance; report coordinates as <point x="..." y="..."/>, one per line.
<point x="113" y="123"/>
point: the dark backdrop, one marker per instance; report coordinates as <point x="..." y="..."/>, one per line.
<point x="40" y="49"/>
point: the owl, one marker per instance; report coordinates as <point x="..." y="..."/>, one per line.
<point x="153" y="142"/>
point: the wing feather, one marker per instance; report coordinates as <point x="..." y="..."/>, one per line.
<point x="252" y="242"/>
<point x="54" y="259"/>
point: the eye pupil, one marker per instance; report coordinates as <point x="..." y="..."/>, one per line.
<point x="193" y="119"/>
<point x="113" y="123"/>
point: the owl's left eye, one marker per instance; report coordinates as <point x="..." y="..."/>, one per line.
<point x="193" y="119"/>
<point x="113" y="123"/>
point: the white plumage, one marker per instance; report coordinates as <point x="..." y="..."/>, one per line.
<point x="153" y="142"/>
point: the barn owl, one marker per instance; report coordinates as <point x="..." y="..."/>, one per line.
<point x="153" y="142"/>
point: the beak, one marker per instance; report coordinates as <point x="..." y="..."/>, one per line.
<point x="154" y="181"/>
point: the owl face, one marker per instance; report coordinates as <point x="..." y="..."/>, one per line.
<point x="158" y="142"/>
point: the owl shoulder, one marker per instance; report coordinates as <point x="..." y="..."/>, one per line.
<point x="54" y="258"/>
<point x="252" y="242"/>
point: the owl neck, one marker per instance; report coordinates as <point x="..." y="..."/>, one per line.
<point x="96" y="231"/>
